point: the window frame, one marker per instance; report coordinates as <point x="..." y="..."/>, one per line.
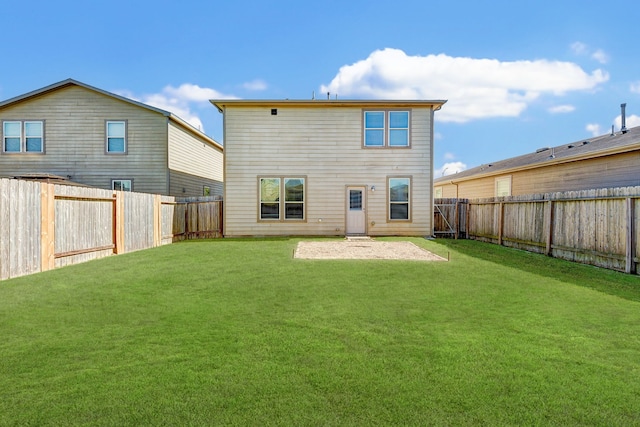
<point x="282" y="201"/>
<point x="125" y="150"/>
<point x="408" y="202"/>
<point x="437" y="192"/>
<point x="387" y="128"/>
<point x="23" y="148"/>
<point x="130" y="180"/>
<point x="502" y="179"/>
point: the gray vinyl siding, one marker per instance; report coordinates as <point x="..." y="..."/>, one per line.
<point x="193" y="163"/>
<point x="75" y="140"/>
<point x="324" y="145"/>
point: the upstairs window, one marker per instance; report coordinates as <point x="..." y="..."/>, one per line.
<point x="282" y="198"/>
<point x="23" y="136"/>
<point x="386" y="128"/>
<point x="116" y="137"/>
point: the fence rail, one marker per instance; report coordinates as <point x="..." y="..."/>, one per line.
<point x="598" y="227"/>
<point x="44" y="226"/>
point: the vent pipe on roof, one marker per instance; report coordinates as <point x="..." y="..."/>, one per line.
<point x="612" y="131"/>
<point x="623" y="129"/>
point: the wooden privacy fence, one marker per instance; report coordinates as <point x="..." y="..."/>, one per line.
<point x="43" y="226"/>
<point x="599" y="227"/>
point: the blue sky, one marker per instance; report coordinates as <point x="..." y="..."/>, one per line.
<point x="518" y="76"/>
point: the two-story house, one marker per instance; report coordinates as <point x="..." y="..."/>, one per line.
<point x="328" y="167"/>
<point x="96" y="138"/>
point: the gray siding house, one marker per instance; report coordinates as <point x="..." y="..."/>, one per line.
<point x="72" y="131"/>
<point x="328" y="167"/>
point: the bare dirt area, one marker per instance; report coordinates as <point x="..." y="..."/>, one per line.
<point x="363" y="248"/>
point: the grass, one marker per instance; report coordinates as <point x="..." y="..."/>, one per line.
<point x="236" y="332"/>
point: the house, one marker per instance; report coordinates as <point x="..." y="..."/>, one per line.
<point x="606" y="161"/>
<point x="96" y="138"/>
<point x="328" y="167"/>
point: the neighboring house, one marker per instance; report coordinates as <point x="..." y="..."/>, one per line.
<point x="96" y="138"/>
<point x="606" y="161"/>
<point x="328" y="167"/>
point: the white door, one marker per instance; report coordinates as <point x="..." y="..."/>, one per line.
<point x="356" y="223"/>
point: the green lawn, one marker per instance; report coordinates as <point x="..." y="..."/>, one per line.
<point x="237" y="332"/>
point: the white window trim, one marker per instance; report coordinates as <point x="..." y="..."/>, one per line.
<point x="126" y="137"/>
<point x="23" y="136"/>
<point x="386" y="129"/>
<point x="113" y="184"/>
<point x="409" y="202"/>
<point x="281" y="199"/>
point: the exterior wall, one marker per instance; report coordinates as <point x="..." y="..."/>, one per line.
<point x="193" y="163"/>
<point x="617" y="170"/>
<point x="74" y="140"/>
<point x="192" y="185"/>
<point x="324" y="145"/>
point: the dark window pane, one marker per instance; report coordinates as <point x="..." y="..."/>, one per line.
<point x="374" y="138"/>
<point x="12" y="145"/>
<point x="270" y="211"/>
<point x="294" y="211"/>
<point x="399" y="211"/>
<point x="115" y="145"/>
<point x="34" y="144"/>
<point x="355" y="200"/>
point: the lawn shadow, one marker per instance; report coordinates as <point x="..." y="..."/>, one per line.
<point x="611" y="282"/>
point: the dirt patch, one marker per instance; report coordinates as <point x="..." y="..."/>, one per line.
<point x="363" y="249"/>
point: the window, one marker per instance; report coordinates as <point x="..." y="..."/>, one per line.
<point x="437" y="193"/>
<point x="289" y="207"/>
<point x="399" y="199"/>
<point x="386" y="128"/>
<point x="121" y="184"/>
<point x="116" y="137"/>
<point x="206" y="190"/>
<point x="23" y="136"/>
<point x="503" y="186"/>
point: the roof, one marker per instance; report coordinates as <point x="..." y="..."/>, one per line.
<point x="72" y="82"/>
<point x="220" y="104"/>
<point x="583" y="149"/>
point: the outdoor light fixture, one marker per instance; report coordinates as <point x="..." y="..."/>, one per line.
<point x="373" y="188"/>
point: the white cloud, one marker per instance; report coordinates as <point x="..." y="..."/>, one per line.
<point x="594" y="129"/>
<point x="449" y="168"/>
<point x="579" y="48"/>
<point x="635" y="87"/>
<point x="256" y="85"/>
<point x="562" y="109"/>
<point x="583" y="49"/>
<point x="475" y="88"/>
<point x="600" y="56"/>
<point x="630" y="121"/>
<point x="181" y="101"/>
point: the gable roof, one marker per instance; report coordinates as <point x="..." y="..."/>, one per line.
<point x="221" y="103"/>
<point x="72" y="82"/>
<point x="583" y="149"/>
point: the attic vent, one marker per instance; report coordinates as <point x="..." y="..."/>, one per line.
<point x="570" y="146"/>
<point x="542" y="150"/>
<point x="585" y="142"/>
<point x="274" y="111"/>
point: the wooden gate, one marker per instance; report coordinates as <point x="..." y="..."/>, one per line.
<point x="450" y="218"/>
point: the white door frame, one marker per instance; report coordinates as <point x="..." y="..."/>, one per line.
<point x="356" y="219"/>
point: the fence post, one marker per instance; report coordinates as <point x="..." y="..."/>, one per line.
<point x="47" y="227"/>
<point x="157" y="220"/>
<point x="500" y="223"/>
<point x="548" y="217"/>
<point x="630" y="265"/>
<point x="118" y="222"/>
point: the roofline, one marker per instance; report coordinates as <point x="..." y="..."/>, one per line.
<point x="69" y="82"/>
<point x="221" y="103"/>
<point x="448" y="179"/>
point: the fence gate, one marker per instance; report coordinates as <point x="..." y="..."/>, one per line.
<point x="449" y="217"/>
